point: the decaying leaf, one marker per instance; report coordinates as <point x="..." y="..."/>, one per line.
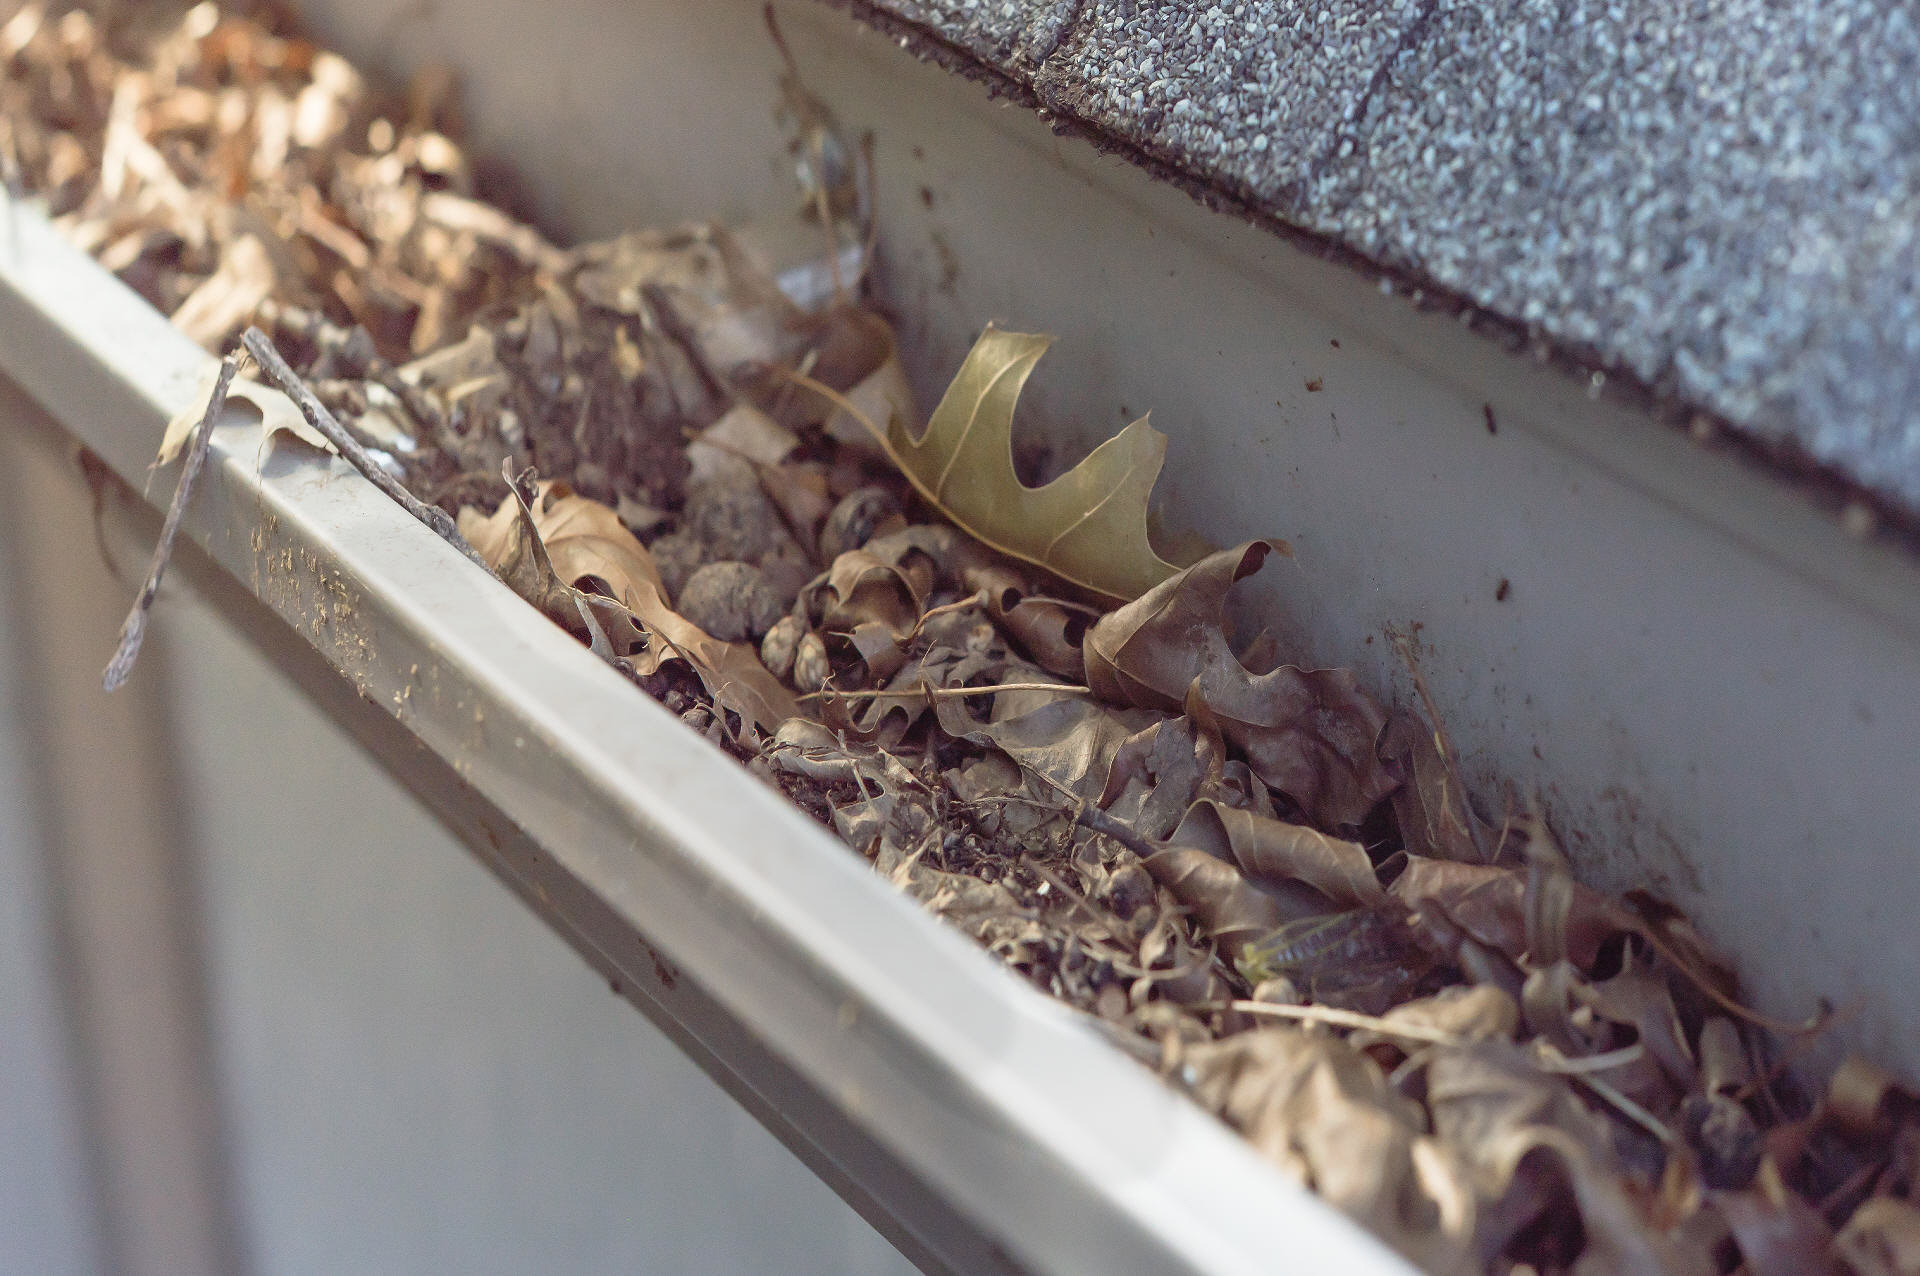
<point x="1311" y="734"/>
<point x="1068" y="740"/>
<point x="587" y="544"/>
<point x="1246" y="875"/>
<point x="1089" y="526"/>
<point x="1325" y="1113"/>
<point x="1881" y="1239"/>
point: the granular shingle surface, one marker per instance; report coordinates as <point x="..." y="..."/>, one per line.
<point x="1720" y="197"/>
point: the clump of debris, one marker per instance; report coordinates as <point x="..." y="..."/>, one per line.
<point x="1263" y="883"/>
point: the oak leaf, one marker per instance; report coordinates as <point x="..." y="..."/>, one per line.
<point x="278" y="415"/>
<point x="1088" y="527"/>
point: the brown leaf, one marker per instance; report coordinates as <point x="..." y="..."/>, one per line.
<point x="1089" y="526"/>
<point x="1480" y="1012"/>
<point x="1778" y="1234"/>
<point x="1324" y="1112"/>
<point x="585" y="541"/>
<point x="1490" y="904"/>
<point x="227" y="299"/>
<point x="1881" y="1239"/>
<point x="277" y="414"/>
<point x="1065" y="739"/>
<point x="1282" y="857"/>
<point x="1048" y="630"/>
<point x="1430" y="806"/>
<point x="1535" y="1150"/>
<point x="1311" y="734"/>
<point x="1156" y="775"/>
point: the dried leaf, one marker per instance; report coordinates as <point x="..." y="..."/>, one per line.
<point x="1281" y="858"/>
<point x="1778" y="1234"/>
<point x="1089" y="526"/>
<point x="228" y="298"/>
<point x="858" y="350"/>
<point x="277" y="414"/>
<point x="1536" y="1151"/>
<point x="1048" y="630"/>
<point x="1430" y="806"/>
<point x="1069" y="741"/>
<point x="1477" y="1013"/>
<point x="1881" y="1239"/>
<point x="1310" y="734"/>
<point x="1156" y="775"/>
<point x="1324" y="1112"/>
<point x="585" y="541"/>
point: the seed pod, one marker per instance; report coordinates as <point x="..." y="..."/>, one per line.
<point x="782" y="643"/>
<point x="731" y="601"/>
<point x="810" y="666"/>
<point x="733" y="521"/>
<point x="854" y="520"/>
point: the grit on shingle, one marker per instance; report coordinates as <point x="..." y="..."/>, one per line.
<point x="1721" y="198"/>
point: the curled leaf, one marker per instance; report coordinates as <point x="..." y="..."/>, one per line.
<point x="1067" y="740"/>
<point x="1279" y="856"/>
<point x="569" y="539"/>
<point x="1309" y="733"/>
<point x="1490" y="905"/>
<point x="1246" y="875"/>
<point x="1325" y="1113"/>
<point x="1048" y="629"/>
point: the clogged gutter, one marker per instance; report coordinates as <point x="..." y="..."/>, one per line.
<point x="1264" y="884"/>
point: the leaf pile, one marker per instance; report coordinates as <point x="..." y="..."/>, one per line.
<point x="1266" y="885"/>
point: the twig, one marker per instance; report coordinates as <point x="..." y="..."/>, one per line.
<point x="261" y="347"/>
<point x="943" y="693"/>
<point x="134" y="631"/>
<point x="1089" y="816"/>
<point x="1338" y="1018"/>
<point x="1627" y="1107"/>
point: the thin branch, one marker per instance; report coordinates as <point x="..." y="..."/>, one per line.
<point x="1089" y="816"/>
<point x="1626" y="1107"/>
<point x="134" y="631"/>
<point x="261" y="347"/>
<point x="1338" y="1018"/>
<point x="943" y="693"/>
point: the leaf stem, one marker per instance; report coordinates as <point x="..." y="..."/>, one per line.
<point x="838" y="400"/>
